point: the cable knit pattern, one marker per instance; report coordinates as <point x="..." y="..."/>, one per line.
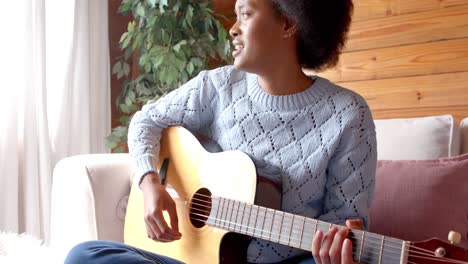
<point x="321" y="142"/>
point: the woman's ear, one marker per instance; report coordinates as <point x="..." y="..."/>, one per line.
<point x="289" y="29"/>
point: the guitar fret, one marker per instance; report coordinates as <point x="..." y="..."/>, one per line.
<point x="236" y="225"/>
<point x="285" y="232"/>
<point x="302" y="232"/>
<point x="281" y="224"/>
<point x="242" y="225"/>
<point x="290" y="231"/>
<point x="263" y="225"/>
<point x="215" y="212"/>
<point x="296" y="234"/>
<point x="211" y="217"/>
<point x="381" y="249"/>
<point x="226" y="221"/>
<point x="258" y="229"/>
<point x="272" y="220"/>
<point x="308" y="234"/>
<point x="362" y="247"/>
<point x="230" y="211"/>
<point x="249" y="207"/>
<point x="221" y="222"/>
<point x="256" y="217"/>
<point x="226" y="213"/>
<point x="248" y="221"/>
<point x="275" y="225"/>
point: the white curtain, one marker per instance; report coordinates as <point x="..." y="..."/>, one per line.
<point x="55" y="90"/>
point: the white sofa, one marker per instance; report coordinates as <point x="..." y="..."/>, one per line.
<point x="90" y="192"/>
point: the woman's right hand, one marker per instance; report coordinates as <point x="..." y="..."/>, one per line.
<point x="157" y="200"/>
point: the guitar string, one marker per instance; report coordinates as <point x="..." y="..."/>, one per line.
<point x="367" y="235"/>
<point x="413" y="249"/>
<point x="395" y="256"/>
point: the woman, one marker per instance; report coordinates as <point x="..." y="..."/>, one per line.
<point x="319" y="136"/>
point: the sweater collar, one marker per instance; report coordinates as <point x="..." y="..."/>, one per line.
<point x="310" y="96"/>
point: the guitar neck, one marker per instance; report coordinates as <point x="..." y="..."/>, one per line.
<point x="298" y="231"/>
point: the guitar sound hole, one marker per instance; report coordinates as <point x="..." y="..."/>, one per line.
<point x="200" y="207"/>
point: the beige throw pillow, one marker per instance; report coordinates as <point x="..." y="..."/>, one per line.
<point x="417" y="138"/>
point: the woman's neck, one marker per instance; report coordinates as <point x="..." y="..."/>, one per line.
<point x="284" y="82"/>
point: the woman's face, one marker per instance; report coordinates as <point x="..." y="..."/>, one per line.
<point x="257" y="35"/>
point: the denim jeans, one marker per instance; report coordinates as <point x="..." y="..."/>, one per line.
<point x="100" y="252"/>
<point x="104" y="252"/>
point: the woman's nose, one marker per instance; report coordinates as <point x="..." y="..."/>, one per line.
<point x="234" y="31"/>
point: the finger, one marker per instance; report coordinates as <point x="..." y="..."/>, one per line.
<point x="326" y="244"/>
<point x="156" y="233"/>
<point x="355" y="224"/>
<point x="347" y="252"/>
<point x="316" y="246"/>
<point x="149" y="231"/>
<point x="172" y="211"/>
<point x="337" y="245"/>
<point x="152" y="227"/>
<point x="166" y="232"/>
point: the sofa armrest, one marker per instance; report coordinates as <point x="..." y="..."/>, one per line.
<point x="89" y="198"/>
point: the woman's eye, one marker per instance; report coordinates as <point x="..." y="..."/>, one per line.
<point x="243" y="15"/>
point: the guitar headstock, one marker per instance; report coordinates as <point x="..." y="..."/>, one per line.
<point x="436" y="251"/>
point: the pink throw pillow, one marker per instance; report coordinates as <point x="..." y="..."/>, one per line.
<point x="420" y="199"/>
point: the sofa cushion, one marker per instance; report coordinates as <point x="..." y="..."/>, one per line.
<point x="464" y="135"/>
<point x="417" y="200"/>
<point x="417" y="138"/>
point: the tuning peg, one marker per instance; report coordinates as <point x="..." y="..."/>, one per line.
<point x="454" y="237"/>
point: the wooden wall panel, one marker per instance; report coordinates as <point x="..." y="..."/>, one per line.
<point x="401" y="61"/>
<point x="418" y="93"/>
<point x="225" y="8"/>
<point x="449" y="23"/>
<point x="408" y="58"/>
<point x="117" y="26"/>
<point x="370" y="9"/>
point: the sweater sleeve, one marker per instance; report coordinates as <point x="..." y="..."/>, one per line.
<point x="351" y="170"/>
<point x="187" y="106"/>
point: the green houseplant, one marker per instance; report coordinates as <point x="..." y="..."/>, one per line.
<point x="170" y="41"/>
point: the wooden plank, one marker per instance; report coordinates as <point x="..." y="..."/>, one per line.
<point x="421" y="92"/>
<point x="458" y="112"/>
<point x="443" y="24"/>
<point x="225" y="8"/>
<point x="371" y="9"/>
<point x="412" y="60"/>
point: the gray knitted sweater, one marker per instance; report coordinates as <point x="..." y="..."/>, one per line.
<point x="321" y="142"/>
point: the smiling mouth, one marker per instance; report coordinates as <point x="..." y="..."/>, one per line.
<point x="237" y="50"/>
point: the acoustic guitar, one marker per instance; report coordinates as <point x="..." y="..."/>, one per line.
<point x="217" y="210"/>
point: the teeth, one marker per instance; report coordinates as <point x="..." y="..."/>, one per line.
<point x="238" y="47"/>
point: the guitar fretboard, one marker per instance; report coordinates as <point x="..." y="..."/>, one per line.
<point x="298" y="231"/>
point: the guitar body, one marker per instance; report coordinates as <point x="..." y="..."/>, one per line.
<point x="191" y="168"/>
